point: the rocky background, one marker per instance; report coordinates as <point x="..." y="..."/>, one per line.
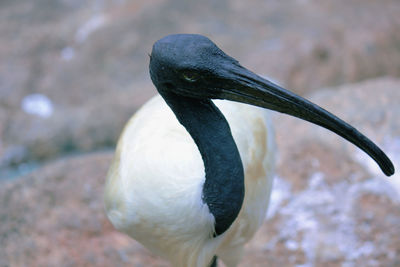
<point x="72" y="73"/>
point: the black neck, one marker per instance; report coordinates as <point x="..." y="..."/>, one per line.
<point x="223" y="189"/>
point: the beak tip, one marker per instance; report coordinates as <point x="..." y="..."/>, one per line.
<point x="386" y="165"/>
<point x="390" y="171"/>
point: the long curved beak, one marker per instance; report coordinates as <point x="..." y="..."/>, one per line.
<point x="244" y="86"/>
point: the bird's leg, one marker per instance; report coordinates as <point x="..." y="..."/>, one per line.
<point x="214" y="262"/>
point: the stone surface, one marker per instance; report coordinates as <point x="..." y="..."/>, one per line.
<point x="55" y="217"/>
<point x="89" y="58"/>
<point x="330" y="205"/>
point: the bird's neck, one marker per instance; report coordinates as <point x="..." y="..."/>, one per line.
<point x="223" y="189"/>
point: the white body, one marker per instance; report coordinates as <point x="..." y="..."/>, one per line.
<point x="154" y="186"/>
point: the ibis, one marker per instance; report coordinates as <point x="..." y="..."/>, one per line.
<point x="192" y="173"/>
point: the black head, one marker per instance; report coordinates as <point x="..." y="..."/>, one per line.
<point x="193" y="66"/>
<point x="190" y="65"/>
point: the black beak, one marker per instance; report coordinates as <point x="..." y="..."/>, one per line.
<point x="244" y="86"/>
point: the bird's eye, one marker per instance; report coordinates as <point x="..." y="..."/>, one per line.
<point x="190" y="76"/>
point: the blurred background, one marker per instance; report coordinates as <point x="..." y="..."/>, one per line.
<point x="72" y="73"/>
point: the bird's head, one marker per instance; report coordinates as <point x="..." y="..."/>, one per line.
<point x="190" y="65"/>
<point x="193" y="66"/>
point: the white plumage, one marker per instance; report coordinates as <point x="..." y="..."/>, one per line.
<point x="154" y="186"/>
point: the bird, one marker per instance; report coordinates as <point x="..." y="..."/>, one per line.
<point x="193" y="169"/>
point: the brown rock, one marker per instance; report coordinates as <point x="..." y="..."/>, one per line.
<point x="331" y="205"/>
<point x="55" y="217"/>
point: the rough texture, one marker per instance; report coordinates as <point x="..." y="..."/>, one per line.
<point x="79" y="53"/>
<point x="330" y="205"/>
<point x="55" y="217"/>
